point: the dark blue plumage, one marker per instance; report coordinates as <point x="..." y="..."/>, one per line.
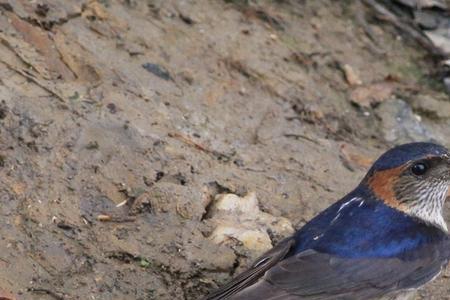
<point x="383" y="238"/>
<point x="365" y="227"/>
<point x="407" y="152"/>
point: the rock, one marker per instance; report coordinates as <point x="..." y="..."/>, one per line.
<point x="447" y="84"/>
<point x="440" y="39"/>
<point x="432" y="107"/>
<point x="350" y="75"/>
<point x="157" y="70"/>
<point x="372" y="94"/>
<point x="351" y="157"/>
<point x="426" y="19"/>
<point x="241" y="219"/>
<point x="255" y="240"/>
<point x="400" y="124"/>
<point x="424" y="3"/>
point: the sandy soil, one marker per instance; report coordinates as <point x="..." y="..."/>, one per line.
<point x="120" y="121"/>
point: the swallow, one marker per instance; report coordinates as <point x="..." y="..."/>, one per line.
<point x="383" y="240"/>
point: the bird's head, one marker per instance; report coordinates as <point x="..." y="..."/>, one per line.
<point x="413" y="178"/>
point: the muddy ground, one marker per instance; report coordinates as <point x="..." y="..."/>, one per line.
<point x="120" y="121"/>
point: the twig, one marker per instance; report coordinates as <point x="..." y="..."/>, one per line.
<point x="56" y="295"/>
<point x="115" y="219"/>
<point x="301" y="136"/>
<point x="188" y="141"/>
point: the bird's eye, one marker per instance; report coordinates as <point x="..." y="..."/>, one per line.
<point x="419" y="168"/>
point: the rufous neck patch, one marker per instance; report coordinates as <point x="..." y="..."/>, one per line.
<point x="382" y="185"/>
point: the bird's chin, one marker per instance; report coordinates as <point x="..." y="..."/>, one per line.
<point x="428" y="207"/>
<point x="433" y="218"/>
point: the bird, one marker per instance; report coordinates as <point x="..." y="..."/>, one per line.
<point x="383" y="240"/>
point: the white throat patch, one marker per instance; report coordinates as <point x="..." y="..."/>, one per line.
<point x="429" y="205"/>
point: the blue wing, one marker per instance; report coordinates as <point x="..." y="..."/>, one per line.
<point x="358" y="248"/>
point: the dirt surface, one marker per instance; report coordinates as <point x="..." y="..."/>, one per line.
<point x="120" y="121"/>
